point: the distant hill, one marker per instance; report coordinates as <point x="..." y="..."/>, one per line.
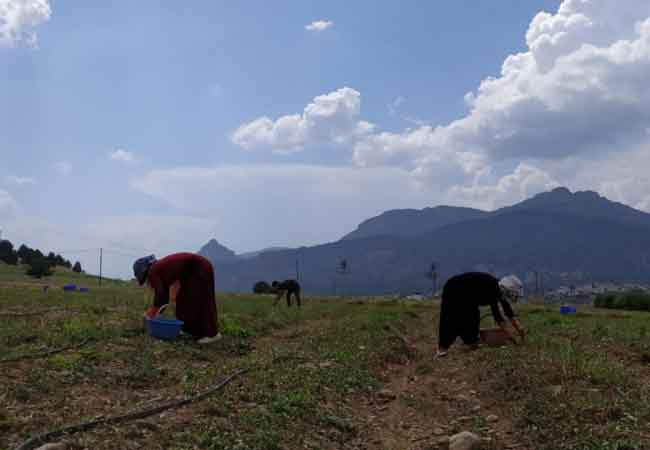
<point x="216" y="252"/>
<point x="412" y="222"/>
<point x="568" y="237"/>
<point x="249" y="255"/>
<point x="586" y="204"/>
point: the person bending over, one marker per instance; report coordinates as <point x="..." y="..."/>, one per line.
<point x="460" y="315"/>
<point x="290" y="287"/>
<point x="191" y="279"/>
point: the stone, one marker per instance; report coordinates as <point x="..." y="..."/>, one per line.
<point x="464" y="441"/>
<point x="438" y="431"/>
<point x="387" y="394"/>
<point x="492" y="418"/>
<point x="55" y="446"/>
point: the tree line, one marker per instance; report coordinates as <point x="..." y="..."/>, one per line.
<point x="38" y="264"/>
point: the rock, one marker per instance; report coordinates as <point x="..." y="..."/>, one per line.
<point x="438" y="431"/>
<point x="492" y="418"/>
<point x="387" y="394"/>
<point x="477" y="408"/>
<point x="56" y="446"/>
<point x="464" y="441"/>
<point x="442" y="440"/>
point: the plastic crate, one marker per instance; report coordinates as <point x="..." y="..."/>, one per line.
<point x="567" y="309"/>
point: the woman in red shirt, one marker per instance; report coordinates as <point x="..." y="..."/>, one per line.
<point x="193" y="277"/>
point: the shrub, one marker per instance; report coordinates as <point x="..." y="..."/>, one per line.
<point x="630" y="300"/>
<point x="77" y="267"/>
<point x="39" y="268"/>
<point x="262" y="287"/>
<point x="7" y="253"/>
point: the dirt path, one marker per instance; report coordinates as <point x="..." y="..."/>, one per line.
<point x="425" y="401"/>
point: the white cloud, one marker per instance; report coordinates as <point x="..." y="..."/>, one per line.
<point x="258" y="206"/>
<point x="11" y="179"/>
<point x="580" y="89"/>
<point x="121" y="156"/>
<point x="524" y="182"/>
<point x="19" y="17"/>
<point x="63" y="167"/>
<point x="319" y="25"/>
<point x="580" y="92"/>
<point x="578" y="97"/>
<point x="331" y="118"/>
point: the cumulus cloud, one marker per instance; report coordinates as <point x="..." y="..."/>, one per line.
<point x="524" y="182"/>
<point x="581" y="88"/>
<point x="324" y="202"/>
<point x="330" y="118"/>
<point x="11" y="179"/>
<point x="579" y="93"/>
<point x="63" y="167"/>
<point x="319" y="25"/>
<point x="577" y="97"/>
<point x="121" y="156"/>
<point x="18" y="18"/>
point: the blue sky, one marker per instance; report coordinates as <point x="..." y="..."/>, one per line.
<point x="234" y="120"/>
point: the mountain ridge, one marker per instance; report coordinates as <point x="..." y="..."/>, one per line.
<point x="553" y="233"/>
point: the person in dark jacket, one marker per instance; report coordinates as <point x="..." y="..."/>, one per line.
<point x="460" y="315"/>
<point x="190" y="278"/>
<point x="290" y="287"/>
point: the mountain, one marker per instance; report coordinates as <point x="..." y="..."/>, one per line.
<point x="216" y="252"/>
<point x="412" y="222"/>
<point x="568" y="237"/>
<point x="587" y="204"/>
<point x="249" y="255"/>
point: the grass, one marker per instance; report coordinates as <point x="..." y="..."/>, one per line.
<point x="581" y="379"/>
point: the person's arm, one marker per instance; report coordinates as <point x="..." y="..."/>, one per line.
<point x="498" y="318"/>
<point x="161" y="293"/>
<point x="510" y="314"/>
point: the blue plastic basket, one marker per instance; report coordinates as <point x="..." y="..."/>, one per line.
<point x="568" y="310"/>
<point x="70" y="287"/>
<point x="83" y="289"/>
<point x="163" y="328"/>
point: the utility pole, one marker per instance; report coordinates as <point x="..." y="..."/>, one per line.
<point x="101" y="254"/>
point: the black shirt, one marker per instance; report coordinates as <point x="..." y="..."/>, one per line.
<point x="481" y="289"/>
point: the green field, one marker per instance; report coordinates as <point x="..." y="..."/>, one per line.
<point x="340" y="373"/>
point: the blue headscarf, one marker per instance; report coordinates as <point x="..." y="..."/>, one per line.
<point x="141" y="268"/>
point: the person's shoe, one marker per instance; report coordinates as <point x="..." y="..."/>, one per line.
<point x="209" y="340"/>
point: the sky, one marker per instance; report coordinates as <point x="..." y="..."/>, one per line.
<point x="152" y="127"/>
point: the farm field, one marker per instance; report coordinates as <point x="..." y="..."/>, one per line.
<point x="350" y="373"/>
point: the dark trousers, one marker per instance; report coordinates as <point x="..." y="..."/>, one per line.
<point x="289" y="293"/>
<point x="458" y="318"/>
<point x="296" y="294"/>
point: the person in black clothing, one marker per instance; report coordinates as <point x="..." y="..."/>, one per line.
<point x="460" y="314"/>
<point x="291" y="287"/>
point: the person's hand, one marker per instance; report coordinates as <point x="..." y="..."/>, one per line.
<point x="151" y="312"/>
